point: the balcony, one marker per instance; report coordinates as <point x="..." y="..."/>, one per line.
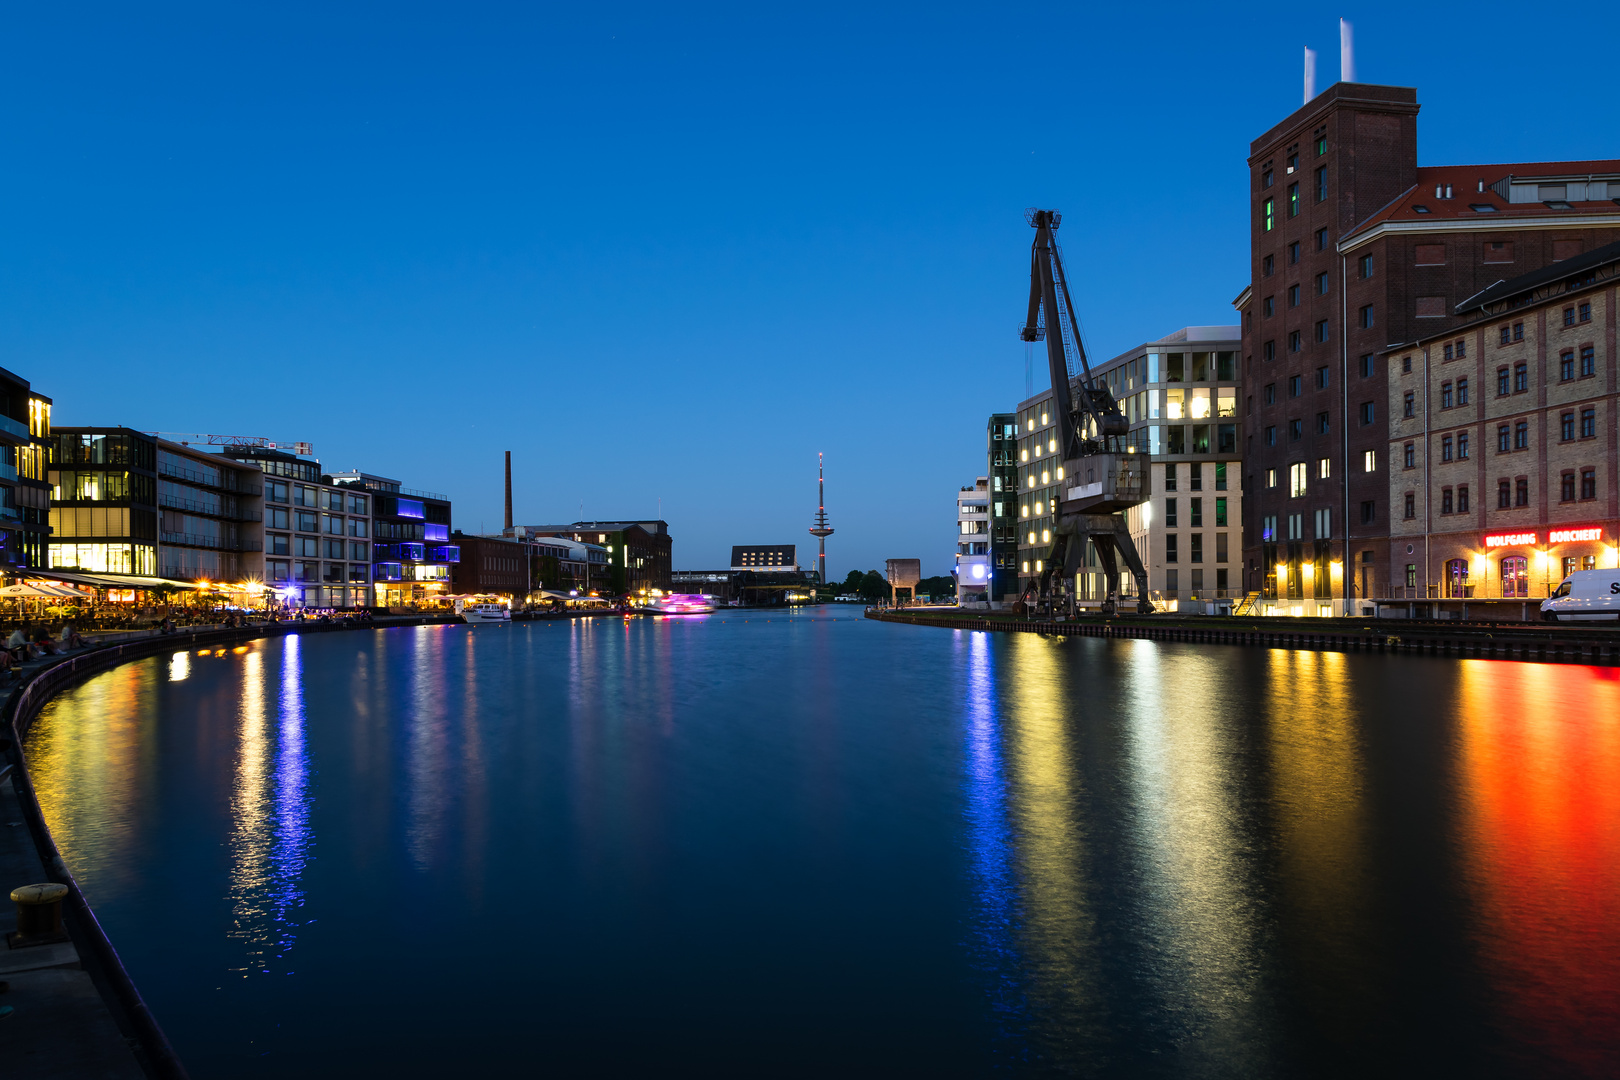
<point x="212" y="543"/>
<point x="399" y="552"/>
<point x="225" y="482"/>
<point x="450" y="553"/>
<point x="191" y="506"/>
<point x="13" y="432"/>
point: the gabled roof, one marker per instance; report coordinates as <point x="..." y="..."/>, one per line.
<point x="1468" y="203"/>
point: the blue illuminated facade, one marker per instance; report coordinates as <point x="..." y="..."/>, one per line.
<point x="410" y="532"/>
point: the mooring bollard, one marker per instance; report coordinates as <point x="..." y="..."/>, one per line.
<point x="39" y="912"/>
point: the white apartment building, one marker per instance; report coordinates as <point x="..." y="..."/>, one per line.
<point x="972" y="569"/>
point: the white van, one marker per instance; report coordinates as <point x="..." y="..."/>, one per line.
<point x="1584" y="596"/>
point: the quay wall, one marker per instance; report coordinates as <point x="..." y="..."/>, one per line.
<point x="1502" y="641"/>
<point x="96" y="951"/>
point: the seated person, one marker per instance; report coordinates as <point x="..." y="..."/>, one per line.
<point x="71" y="638"/>
<point x="19" y="648"/>
<point x="43" y="642"/>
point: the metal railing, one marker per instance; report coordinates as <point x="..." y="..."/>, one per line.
<point x="191" y="506"/>
<point x="214" y="543"/>
<point x="223" y="482"/>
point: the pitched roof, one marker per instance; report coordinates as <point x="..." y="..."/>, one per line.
<point x="1480" y="194"/>
<point x="1578" y="271"/>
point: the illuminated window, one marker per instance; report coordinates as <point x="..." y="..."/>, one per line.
<point x="1323" y="468"/>
<point x="1298" y="476"/>
<point x="1369" y="461"/>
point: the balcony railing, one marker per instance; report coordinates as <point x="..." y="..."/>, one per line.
<point x="223" y="482"/>
<point x="213" y="543"/>
<point x="191" y="506"/>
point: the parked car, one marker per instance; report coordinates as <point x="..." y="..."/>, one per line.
<point x="1585" y="596"/>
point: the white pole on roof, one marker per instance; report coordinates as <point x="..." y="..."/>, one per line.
<point x="1347" y="52"/>
<point x="1310" y="74"/>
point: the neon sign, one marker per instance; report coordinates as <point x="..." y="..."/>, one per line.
<point x="1496" y="540"/>
<point x="1574" y="536"/>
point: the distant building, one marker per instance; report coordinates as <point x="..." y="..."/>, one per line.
<point x="25" y="488"/>
<point x="1002" y="470"/>
<point x="411" y="549"/>
<point x="493" y="564"/>
<point x="640" y="549"/>
<point x="973" y="566"/>
<point x="776" y="557"/>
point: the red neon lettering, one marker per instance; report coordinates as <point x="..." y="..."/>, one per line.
<point x="1510" y="539"/>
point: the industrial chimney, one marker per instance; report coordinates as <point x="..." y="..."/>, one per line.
<point x="1347" y="53"/>
<point x="507" y="531"/>
<point x="1310" y="74"/>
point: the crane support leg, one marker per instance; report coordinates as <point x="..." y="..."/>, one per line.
<point x="1118" y="536"/>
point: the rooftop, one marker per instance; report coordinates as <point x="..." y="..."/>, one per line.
<point x="1475" y="195"/>
<point x="1565" y="275"/>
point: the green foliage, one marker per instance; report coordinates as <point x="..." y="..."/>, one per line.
<point x="615" y="585"/>
<point x="943" y="585"/>
<point x="874" y="586"/>
<point x="548" y="571"/>
<point x="852" y="584"/>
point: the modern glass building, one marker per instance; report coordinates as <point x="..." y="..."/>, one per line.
<point x="411" y="553"/>
<point x="1001" y="455"/>
<point x="25" y="435"/>
<point x="104" y="517"/>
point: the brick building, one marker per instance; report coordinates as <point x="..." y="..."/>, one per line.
<point x="1355" y="247"/>
<point x="1503" y="438"/>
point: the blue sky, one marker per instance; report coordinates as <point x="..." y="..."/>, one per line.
<point x="666" y="254"/>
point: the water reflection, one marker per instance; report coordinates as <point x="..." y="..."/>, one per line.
<point x="1540" y="799"/>
<point x="1197" y="901"/>
<point x="270" y="833"/>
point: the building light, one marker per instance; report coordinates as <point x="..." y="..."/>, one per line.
<point x="1046" y="477"/>
<point x="1574" y="536"/>
<point x="1038" y="565"/>
<point x="1282" y="573"/>
<point x="1060" y="472"/>
<point x="1026" y="567"/>
<point x="1043" y="419"/>
<point x="1023" y="511"/>
<point x="1051" y="444"/>
<point x="1032" y="536"/>
<point x="1023" y="455"/>
<point x="1496" y="540"/>
<point x="1046" y="536"/>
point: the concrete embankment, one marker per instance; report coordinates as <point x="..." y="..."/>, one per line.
<point x="1504" y="641"/>
<point x="77" y="1012"/>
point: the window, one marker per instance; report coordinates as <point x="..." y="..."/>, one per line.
<point x="1521" y="492"/>
<point x="1521" y="377"/>
<point x="1367" y="367"/>
<point x="1269" y="212"/>
<point x="1518" y="331"/>
<point x="1367" y="317"/>
<point x="1197" y="553"/>
<point x="1585" y="311"/>
<point x="1293" y="341"/>
<point x="1501" y="382"/>
<point x="357" y="526"/>
<point x="1569" y="316"/>
<point x="1369" y="511"/>
<point x="277" y="519"/>
<point x="1321" y="239"/>
<point x="1324" y="468"/>
<point x="357" y="504"/>
<point x="1265" y="178"/>
<point x="1462" y="350"/>
<point x="1271" y="478"/>
<point x="275" y="491"/>
<point x="1293" y="296"/>
<point x="1298" y="477"/>
<point x="1322" y="378"/>
<point x="1294" y="386"/>
<point x="1268" y="351"/>
<point x="1270" y="393"/>
<point x="1366" y="266"/>
<point x="1293" y="253"/>
<point x="1293" y="199"/>
<point x="1515" y="576"/>
<point x="1220" y="513"/>
<point x="1588" y="483"/>
<point x="1588" y="423"/>
<point x="1410" y="456"/>
<point x="1566" y="367"/>
<point x="277" y="544"/>
<point x="1505" y="338"/>
<point x="1324" y="524"/>
<point x="1266" y="265"/>
<point x="1411" y="506"/>
<point x="1445" y="448"/>
<point x="1462" y="392"/>
<point x="1296" y="430"/>
<point x="1566" y="427"/>
<point x="1321" y="183"/>
<point x="1521" y="435"/>
<point x="1170" y="471"/>
<point x="1322" y="424"/>
<point x="1566" y="487"/>
<point x="1462" y="499"/>
<point x="1445" y="395"/>
<point x="1321" y="145"/>
<point x="1462" y="446"/>
<point x="1448" y="350"/>
<point x="307" y="522"/>
<point x="1197" y="508"/>
<point x="1406" y="365"/>
<point x="307" y="546"/>
<point x="1296" y="526"/>
<point x="1445" y="500"/>
<point x="1322" y="284"/>
<point x="1271" y="435"/>
<point x="1268" y="306"/>
<point x="1409" y="405"/>
<point x="1170" y="554"/>
<point x="1321" y="330"/>
<point x="1220" y="476"/>
<point x="1502" y="437"/>
<point x="1369" y="461"/>
<point x="1170" y="516"/>
<point x="1588" y="361"/>
<point x="1504" y="494"/>
<point x="1367" y="413"/>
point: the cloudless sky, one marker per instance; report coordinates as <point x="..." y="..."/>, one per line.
<point x="668" y="252"/>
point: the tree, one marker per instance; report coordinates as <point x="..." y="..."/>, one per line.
<point x="874" y="586"/>
<point x="943" y="585"/>
<point x="852" y="584"/>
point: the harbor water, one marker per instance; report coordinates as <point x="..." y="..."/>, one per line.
<point x="807" y="844"/>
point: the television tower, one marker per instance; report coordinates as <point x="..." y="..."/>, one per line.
<point x="821" y="530"/>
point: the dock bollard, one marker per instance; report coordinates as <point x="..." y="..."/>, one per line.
<point x="39" y="912"/>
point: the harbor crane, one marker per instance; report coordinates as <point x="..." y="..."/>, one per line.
<point x="1101" y="475"/>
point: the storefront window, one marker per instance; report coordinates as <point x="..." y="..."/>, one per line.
<point x="1457" y="579"/>
<point x="1515" y="576"/>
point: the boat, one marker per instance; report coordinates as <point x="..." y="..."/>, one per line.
<point x="682" y="604"/>
<point x="481" y="609"/>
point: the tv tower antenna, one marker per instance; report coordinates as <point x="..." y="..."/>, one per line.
<point x="821" y="530"/>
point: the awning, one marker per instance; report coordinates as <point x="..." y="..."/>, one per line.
<point x="111" y="581"/>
